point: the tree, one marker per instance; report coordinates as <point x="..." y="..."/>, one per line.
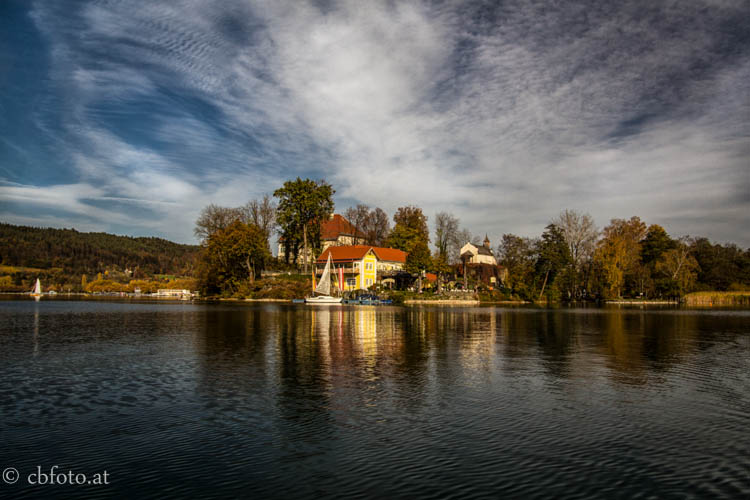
<point x="236" y="253"/>
<point x="618" y="252"/>
<point x="419" y="258"/>
<point x="302" y="205"/>
<point x="446" y="238"/>
<point x="518" y="256"/>
<point x="376" y="227"/>
<point x="580" y="234"/>
<point x="446" y="233"/>
<point x="410" y="227"/>
<point x="649" y="282"/>
<point x="655" y="244"/>
<point x="212" y="218"/>
<point x="261" y="213"/>
<point x="357" y="217"/>
<point x="411" y="235"/>
<point x="721" y="266"/>
<point x="679" y="266"/>
<point x="553" y="258"/>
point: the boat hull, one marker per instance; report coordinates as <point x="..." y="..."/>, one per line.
<point x="323" y="299"/>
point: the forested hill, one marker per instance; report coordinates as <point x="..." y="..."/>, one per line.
<point x="77" y="253"/>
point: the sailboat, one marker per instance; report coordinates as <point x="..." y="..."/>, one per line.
<point x="324" y="288"/>
<point x="37" y="291"/>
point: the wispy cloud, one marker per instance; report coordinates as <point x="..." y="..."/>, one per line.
<point x="503" y="114"/>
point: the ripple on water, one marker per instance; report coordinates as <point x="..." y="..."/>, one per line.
<point x="219" y="401"/>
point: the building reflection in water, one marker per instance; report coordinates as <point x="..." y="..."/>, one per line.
<point x="314" y="357"/>
<point x="323" y="377"/>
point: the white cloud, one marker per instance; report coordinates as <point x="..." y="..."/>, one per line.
<point x="503" y="118"/>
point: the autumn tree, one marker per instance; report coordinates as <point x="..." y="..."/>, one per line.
<point x="618" y="252"/>
<point x="231" y="255"/>
<point x="411" y="235"/>
<point x="678" y="266"/>
<point x="303" y="204"/>
<point x="214" y="217"/>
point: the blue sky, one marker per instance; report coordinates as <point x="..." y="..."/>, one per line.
<point x="129" y="116"/>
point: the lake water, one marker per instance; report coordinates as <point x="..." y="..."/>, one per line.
<point x="242" y="400"/>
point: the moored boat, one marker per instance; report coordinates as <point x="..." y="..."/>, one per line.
<point x="323" y="299"/>
<point x="323" y="289"/>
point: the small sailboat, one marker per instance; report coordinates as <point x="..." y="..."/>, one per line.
<point x="37" y="291"/>
<point x="323" y="289"/>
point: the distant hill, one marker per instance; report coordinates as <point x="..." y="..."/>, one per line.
<point x="74" y="253"/>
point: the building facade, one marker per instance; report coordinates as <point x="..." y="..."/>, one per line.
<point x="479" y="264"/>
<point x="472" y="254"/>
<point x="362" y="265"/>
<point x="336" y="231"/>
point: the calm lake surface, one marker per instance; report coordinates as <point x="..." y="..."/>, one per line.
<point x="243" y="400"/>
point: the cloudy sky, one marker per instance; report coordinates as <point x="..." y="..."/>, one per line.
<point x="129" y="116"/>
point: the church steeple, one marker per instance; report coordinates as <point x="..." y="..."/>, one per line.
<point x="486" y="241"/>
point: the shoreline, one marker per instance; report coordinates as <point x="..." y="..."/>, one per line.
<point x="442" y="301"/>
<point x="643" y="302"/>
<point x="409" y="302"/>
<point x="254" y="300"/>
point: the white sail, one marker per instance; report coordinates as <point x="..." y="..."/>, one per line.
<point x="324" y="285"/>
<point x="37" y="288"/>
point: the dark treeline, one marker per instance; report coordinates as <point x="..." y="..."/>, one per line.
<point x="573" y="260"/>
<point x="73" y="254"/>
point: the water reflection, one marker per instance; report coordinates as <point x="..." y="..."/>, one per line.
<point x="289" y="401"/>
<point x="315" y="347"/>
<point x="36" y="329"/>
<point x="630" y="346"/>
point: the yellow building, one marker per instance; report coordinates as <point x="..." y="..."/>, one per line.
<point x="361" y="264"/>
<point x="336" y="231"/>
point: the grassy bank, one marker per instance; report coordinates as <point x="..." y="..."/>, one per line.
<point x="456" y="298"/>
<point x="714" y="299"/>
<point x="281" y="287"/>
<point x="642" y="302"/>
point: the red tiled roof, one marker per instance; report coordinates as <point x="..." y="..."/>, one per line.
<point x="336" y="226"/>
<point x="349" y="253"/>
<point x="344" y="253"/>
<point x="390" y="254"/>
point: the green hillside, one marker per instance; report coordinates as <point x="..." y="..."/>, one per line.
<point x="68" y="254"/>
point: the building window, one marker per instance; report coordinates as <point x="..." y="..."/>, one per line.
<point x="368" y="266"/>
<point x="351" y="282"/>
<point x="369" y="281"/>
<point x="356" y="264"/>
